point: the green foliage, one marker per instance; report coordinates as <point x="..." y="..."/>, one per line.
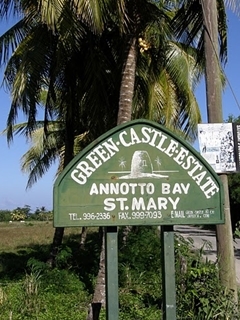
<point x="39" y="292"/>
<point x="43" y="295"/>
<point x="41" y="214"/>
<point x="18" y="216"/>
<point x="142" y="250"/>
<point x="200" y="294"/>
<point x="5" y="215"/>
<point x="31" y="286"/>
<point x="234" y="187"/>
<point x="34" y="265"/>
<point x="20" y="213"/>
<point x="13" y="300"/>
<point x="140" y="274"/>
<point x="237" y="230"/>
<point x="134" y="307"/>
<point x="25" y="213"/>
<point x="63" y="257"/>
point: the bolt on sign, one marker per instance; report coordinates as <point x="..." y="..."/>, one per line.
<point x="138" y="173"/>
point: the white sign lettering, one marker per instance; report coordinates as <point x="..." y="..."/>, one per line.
<point x="105" y="151"/>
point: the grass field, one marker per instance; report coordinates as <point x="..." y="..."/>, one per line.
<point x="20" y="242"/>
<point x="17" y="235"/>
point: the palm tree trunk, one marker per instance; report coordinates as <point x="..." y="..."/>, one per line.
<point x="57" y="240"/>
<point x="225" y="248"/>
<point x="128" y="82"/>
<point x="99" y="295"/>
<point x="124" y="115"/>
<point x="126" y="95"/>
<point x="83" y="237"/>
<point x="68" y="156"/>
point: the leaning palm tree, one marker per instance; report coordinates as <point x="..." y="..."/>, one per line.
<point x="139" y="16"/>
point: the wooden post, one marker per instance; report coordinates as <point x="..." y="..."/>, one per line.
<point x="225" y="250"/>
<point x="168" y="273"/>
<point x="112" y="301"/>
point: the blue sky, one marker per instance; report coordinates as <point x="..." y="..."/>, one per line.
<point x="13" y="191"/>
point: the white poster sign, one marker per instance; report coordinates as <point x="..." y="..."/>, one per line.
<point x="216" y="145"/>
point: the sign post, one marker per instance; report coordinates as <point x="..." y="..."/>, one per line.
<point x="138" y="173"/>
<point x="168" y="273"/>
<point x="111" y="265"/>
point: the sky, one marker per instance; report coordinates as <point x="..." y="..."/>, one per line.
<point x="13" y="191"/>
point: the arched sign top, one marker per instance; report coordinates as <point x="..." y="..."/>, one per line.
<point x="138" y="173"/>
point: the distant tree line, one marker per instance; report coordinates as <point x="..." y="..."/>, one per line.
<point x="26" y="214"/>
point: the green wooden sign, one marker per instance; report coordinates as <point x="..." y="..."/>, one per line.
<point x="138" y="173"/>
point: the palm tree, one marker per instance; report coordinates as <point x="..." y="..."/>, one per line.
<point x="138" y="16"/>
<point x="43" y="62"/>
<point x="188" y="23"/>
<point x="53" y="63"/>
<point x="210" y="31"/>
<point x="150" y="75"/>
<point x="28" y="71"/>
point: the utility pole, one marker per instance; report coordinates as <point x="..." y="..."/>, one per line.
<point x="225" y="250"/>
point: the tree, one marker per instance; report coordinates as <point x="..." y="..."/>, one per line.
<point x="52" y="65"/>
<point x="21" y="61"/>
<point x="74" y="95"/>
<point x="134" y="14"/>
<point x="225" y="248"/>
<point x="213" y="29"/>
<point x="20" y="214"/>
<point x="5" y="215"/>
<point x="151" y="75"/>
<point x="74" y="92"/>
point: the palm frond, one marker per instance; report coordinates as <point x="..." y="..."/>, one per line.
<point x="10" y="40"/>
<point x="234" y="5"/>
<point x="44" y="151"/>
<point x="187" y="24"/>
<point x="10" y="8"/>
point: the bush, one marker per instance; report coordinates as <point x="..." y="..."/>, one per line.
<point x="64" y="292"/>
<point x="52" y="295"/>
<point x="5" y="215"/>
<point x="200" y="295"/>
